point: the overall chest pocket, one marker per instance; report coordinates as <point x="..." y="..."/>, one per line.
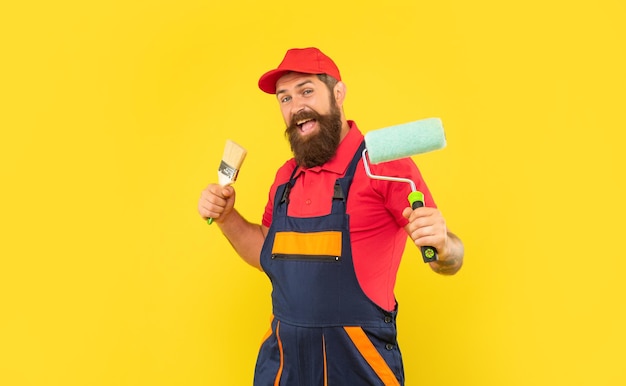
<point x="308" y="246"/>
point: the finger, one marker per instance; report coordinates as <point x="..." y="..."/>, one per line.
<point x="424" y="224"/>
<point x="431" y="241"/>
<point x="422" y="232"/>
<point x="215" y="190"/>
<point x="212" y="196"/>
<point x="207" y="211"/>
<point x="423" y="212"/>
<point x="210" y="204"/>
<point x="228" y="191"/>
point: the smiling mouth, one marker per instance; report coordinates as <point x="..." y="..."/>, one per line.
<point x="306" y="125"/>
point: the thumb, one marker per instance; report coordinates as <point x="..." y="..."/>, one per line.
<point x="228" y="191"/>
<point x="407" y="212"/>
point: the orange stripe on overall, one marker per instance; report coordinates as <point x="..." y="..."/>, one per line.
<point x="371" y="355"/>
<point x="315" y="243"/>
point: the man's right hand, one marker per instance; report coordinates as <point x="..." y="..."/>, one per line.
<point x="216" y="202"/>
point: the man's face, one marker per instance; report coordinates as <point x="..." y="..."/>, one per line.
<point x="312" y="117"/>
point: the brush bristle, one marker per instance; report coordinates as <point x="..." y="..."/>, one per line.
<point x="234" y="154"/>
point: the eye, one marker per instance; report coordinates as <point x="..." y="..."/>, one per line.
<point x="307" y="91"/>
<point x="285" y="99"/>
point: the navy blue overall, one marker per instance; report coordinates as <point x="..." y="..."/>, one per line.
<point x="324" y="330"/>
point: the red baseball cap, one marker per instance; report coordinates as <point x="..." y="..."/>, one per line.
<point x="306" y="60"/>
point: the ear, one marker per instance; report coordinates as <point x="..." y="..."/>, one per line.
<point x="340" y="93"/>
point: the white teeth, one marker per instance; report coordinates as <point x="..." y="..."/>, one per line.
<point x="302" y="122"/>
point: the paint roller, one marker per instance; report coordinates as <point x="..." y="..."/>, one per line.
<point x="401" y="141"/>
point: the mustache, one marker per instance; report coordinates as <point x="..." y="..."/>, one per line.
<point x="302" y="115"/>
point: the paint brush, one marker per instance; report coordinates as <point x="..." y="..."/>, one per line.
<point x="232" y="159"/>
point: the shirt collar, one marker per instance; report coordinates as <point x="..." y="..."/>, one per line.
<point x="347" y="147"/>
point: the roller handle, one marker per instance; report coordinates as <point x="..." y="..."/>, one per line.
<point x="417" y="201"/>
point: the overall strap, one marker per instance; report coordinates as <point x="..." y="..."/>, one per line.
<point x="287" y="187"/>
<point x="342" y="185"/>
<point x="341" y="188"/>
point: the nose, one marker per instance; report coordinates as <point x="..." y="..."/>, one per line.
<point x="298" y="103"/>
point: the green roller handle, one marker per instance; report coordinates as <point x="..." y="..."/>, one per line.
<point x="416" y="199"/>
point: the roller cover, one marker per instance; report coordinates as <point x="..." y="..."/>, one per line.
<point x="405" y="140"/>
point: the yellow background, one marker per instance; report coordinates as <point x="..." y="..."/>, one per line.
<point x="113" y="118"/>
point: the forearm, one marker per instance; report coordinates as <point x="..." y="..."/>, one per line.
<point x="450" y="261"/>
<point x="246" y="238"/>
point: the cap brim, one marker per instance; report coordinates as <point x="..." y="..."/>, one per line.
<point x="267" y="82"/>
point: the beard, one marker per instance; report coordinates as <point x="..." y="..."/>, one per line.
<point x="317" y="148"/>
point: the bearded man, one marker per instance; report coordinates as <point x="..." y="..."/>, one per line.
<point x="331" y="239"/>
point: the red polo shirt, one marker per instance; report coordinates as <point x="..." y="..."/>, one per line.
<point x="375" y="208"/>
